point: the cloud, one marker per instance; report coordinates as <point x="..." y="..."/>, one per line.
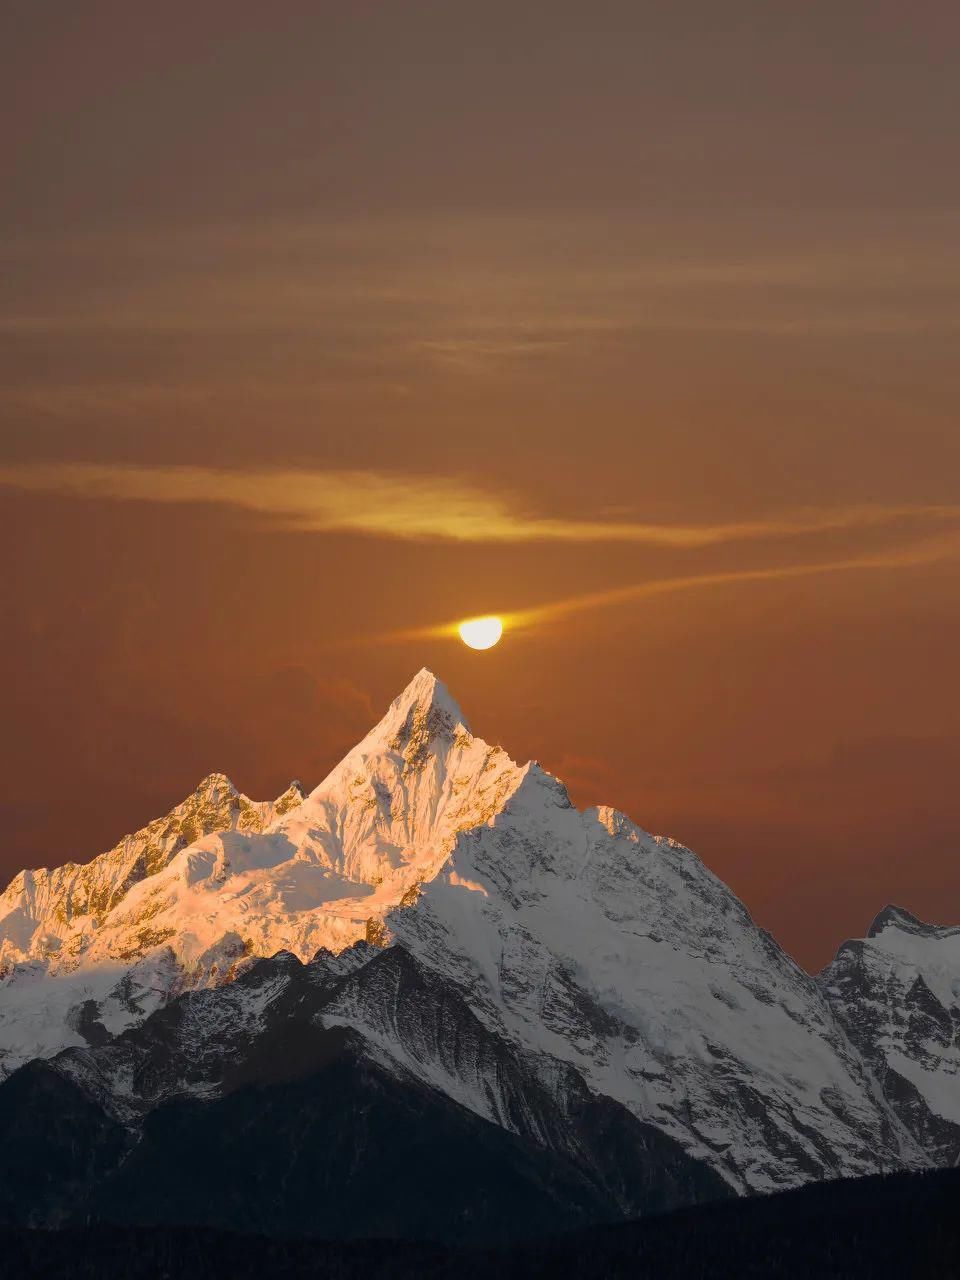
<point x="925" y="551"/>
<point x="420" y="507"/>
<point x="480" y="289"/>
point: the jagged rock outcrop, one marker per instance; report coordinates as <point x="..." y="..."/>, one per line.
<point x="896" y="993"/>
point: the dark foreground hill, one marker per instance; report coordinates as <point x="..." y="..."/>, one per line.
<point x="902" y="1227"/>
<point x="287" y="1128"/>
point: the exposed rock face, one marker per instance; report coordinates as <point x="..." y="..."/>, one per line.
<point x="427" y="1126"/>
<point x="571" y="959"/>
<point x="897" y="995"/>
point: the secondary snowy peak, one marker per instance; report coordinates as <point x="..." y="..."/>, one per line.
<point x="46" y="914"/>
<point x="897" y="994"/>
<point x="83" y="945"/>
<point x="893" y="917"/>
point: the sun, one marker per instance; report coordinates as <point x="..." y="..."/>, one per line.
<point x="481" y="633"/>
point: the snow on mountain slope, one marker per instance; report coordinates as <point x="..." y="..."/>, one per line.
<point x="52" y="922"/>
<point x="583" y="937"/>
<point x="897" y="994"/>
<point x="576" y="938"/>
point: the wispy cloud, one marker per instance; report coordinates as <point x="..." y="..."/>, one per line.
<point x="461" y="289"/>
<point x="924" y="551"/>
<point x="421" y="507"/>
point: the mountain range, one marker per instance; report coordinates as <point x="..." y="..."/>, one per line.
<point x="432" y="998"/>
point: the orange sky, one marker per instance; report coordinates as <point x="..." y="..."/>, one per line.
<point x="324" y="323"/>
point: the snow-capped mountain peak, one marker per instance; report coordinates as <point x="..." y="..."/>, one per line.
<point x="423" y="717"/>
<point x="580" y="941"/>
<point x="427" y="699"/>
<point x="388" y="816"/>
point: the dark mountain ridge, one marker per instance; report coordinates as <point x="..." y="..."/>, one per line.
<point x="237" y="1108"/>
<point x="894" y="1227"/>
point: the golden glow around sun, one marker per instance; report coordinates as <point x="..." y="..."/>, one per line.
<point x="481" y="633"/>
